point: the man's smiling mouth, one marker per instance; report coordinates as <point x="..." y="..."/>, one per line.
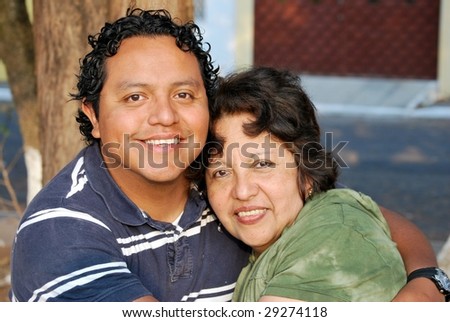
<point x="163" y="142"/>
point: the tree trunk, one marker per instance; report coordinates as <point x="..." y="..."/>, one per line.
<point x="17" y="52"/>
<point x="60" y="33"/>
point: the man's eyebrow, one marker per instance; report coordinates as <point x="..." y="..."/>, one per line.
<point x="127" y="84"/>
<point x="130" y="84"/>
<point x="188" y="82"/>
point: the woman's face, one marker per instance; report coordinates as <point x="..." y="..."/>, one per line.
<point x="252" y="186"/>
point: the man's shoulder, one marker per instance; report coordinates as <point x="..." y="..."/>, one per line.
<point x="68" y="189"/>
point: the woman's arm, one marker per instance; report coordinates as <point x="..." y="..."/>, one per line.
<point x="416" y="252"/>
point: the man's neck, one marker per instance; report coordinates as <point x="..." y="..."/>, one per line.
<point x="160" y="201"/>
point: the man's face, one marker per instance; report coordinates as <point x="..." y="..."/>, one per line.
<point x="153" y="117"/>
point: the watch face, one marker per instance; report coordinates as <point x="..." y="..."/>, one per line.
<point x="443" y="279"/>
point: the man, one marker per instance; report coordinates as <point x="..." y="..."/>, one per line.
<point x="124" y="221"/>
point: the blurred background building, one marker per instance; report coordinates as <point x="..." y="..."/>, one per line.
<point x="400" y="39"/>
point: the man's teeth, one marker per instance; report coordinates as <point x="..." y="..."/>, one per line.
<point x="163" y="142"/>
<point x="251" y="212"/>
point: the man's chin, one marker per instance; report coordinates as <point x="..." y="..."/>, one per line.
<point x="165" y="175"/>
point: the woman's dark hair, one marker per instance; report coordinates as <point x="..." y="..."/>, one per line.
<point x="281" y="108"/>
<point x="105" y="44"/>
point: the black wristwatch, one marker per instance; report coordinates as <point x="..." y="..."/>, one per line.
<point x="438" y="277"/>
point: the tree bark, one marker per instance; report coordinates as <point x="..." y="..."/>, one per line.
<point x="60" y="32"/>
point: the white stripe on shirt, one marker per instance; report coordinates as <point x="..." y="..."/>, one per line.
<point x="59" y="213"/>
<point x="163" y="239"/>
<point x="40" y="294"/>
<point x="81" y="281"/>
<point x="221" y="289"/>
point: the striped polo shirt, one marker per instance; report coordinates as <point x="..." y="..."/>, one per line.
<point x="82" y="239"/>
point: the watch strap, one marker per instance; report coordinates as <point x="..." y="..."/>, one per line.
<point x="437" y="276"/>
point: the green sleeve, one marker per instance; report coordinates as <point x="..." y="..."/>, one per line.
<point x="342" y="259"/>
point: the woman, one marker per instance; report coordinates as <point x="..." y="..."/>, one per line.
<point x="272" y="184"/>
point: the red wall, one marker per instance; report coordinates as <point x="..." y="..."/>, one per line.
<point x="386" y="38"/>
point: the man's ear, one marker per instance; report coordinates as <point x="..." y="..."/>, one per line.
<point x="90" y="113"/>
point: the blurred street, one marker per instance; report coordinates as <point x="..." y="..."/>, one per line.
<point x="402" y="163"/>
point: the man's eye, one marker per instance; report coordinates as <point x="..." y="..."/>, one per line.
<point x="134" y="98"/>
<point x="183" y="95"/>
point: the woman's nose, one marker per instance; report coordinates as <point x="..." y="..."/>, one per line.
<point x="244" y="187"/>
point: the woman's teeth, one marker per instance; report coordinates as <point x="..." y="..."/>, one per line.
<point x="251" y="212"/>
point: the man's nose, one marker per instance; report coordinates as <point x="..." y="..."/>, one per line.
<point x="163" y="112"/>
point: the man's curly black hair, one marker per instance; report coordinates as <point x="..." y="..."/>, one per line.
<point x="137" y="22"/>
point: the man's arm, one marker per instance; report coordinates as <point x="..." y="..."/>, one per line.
<point x="147" y="298"/>
<point x="416" y="252"/>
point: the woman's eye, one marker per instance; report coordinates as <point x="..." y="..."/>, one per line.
<point x="220" y="173"/>
<point x="264" y="164"/>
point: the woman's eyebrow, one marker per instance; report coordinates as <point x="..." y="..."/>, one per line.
<point x="258" y="154"/>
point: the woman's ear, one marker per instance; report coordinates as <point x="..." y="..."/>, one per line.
<point x="306" y="187"/>
<point x="90" y="113"/>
